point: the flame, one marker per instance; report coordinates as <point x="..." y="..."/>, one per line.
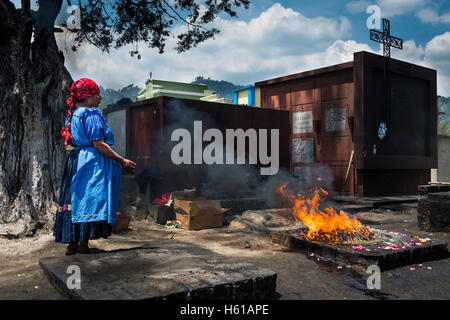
<point x="324" y="224"/>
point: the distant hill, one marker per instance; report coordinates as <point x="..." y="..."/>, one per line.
<point x="444" y="119"/>
<point x="111" y="96"/>
<point x="224" y="88"/>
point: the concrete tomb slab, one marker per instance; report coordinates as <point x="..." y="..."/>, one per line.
<point x="159" y="274"/>
<point x="433" y="212"/>
<point x="390" y="250"/>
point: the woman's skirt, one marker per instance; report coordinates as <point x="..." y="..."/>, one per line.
<point x="64" y="230"/>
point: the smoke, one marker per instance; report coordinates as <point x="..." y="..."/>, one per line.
<point x="212" y="181"/>
<point x="217" y="181"/>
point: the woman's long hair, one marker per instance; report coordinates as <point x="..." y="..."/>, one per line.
<point x="66" y="131"/>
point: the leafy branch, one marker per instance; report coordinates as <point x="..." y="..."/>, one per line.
<point x="124" y="22"/>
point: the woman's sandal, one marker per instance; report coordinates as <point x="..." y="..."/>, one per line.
<point x="71" y="251"/>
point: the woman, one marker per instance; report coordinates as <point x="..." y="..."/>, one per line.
<point x="90" y="187"/>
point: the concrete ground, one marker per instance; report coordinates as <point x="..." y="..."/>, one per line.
<point x="298" y="276"/>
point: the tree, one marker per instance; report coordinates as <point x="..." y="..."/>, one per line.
<point x="34" y="85"/>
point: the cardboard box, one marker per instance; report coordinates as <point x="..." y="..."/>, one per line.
<point x="198" y="214"/>
<point x="122" y="222"/>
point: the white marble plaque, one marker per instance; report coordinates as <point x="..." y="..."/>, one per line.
<point x="303" y="174"/>
<point x="335" y="119"/>
<point x="302" y="121"/>
<point x="303" y="150"/>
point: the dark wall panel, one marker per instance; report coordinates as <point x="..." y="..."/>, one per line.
<point x="411" y="141"/>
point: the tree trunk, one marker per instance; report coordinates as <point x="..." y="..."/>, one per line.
<point x="34" y="85"/>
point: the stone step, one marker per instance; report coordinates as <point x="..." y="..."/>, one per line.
<point x="381" y="254"/>
<point x="159" y="273"/>
<point x="430" y="188"/>
<point x="433" y="212"/>
<point x="376" y="201"/>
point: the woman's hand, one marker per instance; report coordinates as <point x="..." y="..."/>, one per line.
<point x="128" y="165"/>
<point x="106" y="150"/>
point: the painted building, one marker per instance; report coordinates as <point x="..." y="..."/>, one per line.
<point x="157" y="88"/>
<point x="215" y="98"/>
<point x="442" y="173"/>
<point x="249" y="95"/>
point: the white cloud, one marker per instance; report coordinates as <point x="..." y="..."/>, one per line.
<point x="342" y="51"/>
<point x="389" y="8"/>
<point x="277" y="42"/>
<point x="437" y="53"/>
<point x="411" y="52"/>
<point x="278" y="27"/>
<point x="357" y="6"/>
<point x="431" y="16"/>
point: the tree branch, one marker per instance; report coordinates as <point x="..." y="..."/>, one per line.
<point x="128" y="21"/>
<point x="26" y="6"/>
<point x="179" y="16"/>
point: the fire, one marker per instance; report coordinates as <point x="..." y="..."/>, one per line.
<point x="324" y="224"/>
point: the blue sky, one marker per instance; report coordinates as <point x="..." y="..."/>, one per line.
<point x="276" y="38"/>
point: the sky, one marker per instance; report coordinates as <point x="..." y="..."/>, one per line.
<point x="277" y="38"/>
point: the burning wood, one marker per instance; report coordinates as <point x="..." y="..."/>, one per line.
<point x="325" y="224"/>
<point x="341" y="239"/>
<point x="389" y="249"/>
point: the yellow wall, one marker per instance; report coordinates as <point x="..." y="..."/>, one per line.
<point x="258" y="98"/>
<point x="243" y="97"/>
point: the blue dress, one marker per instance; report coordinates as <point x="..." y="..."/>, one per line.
<point x="90" y="187"/>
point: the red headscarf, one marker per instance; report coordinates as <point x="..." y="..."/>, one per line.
<point x="81" y="89"/>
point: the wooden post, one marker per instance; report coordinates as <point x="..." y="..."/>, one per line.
<point x="348" y="171"/>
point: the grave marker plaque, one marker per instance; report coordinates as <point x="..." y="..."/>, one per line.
<point x="303" y="150"/>
<point x="335" y="119"/>
<point x="303" y="174"/>
<point x="302" y="122"/>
